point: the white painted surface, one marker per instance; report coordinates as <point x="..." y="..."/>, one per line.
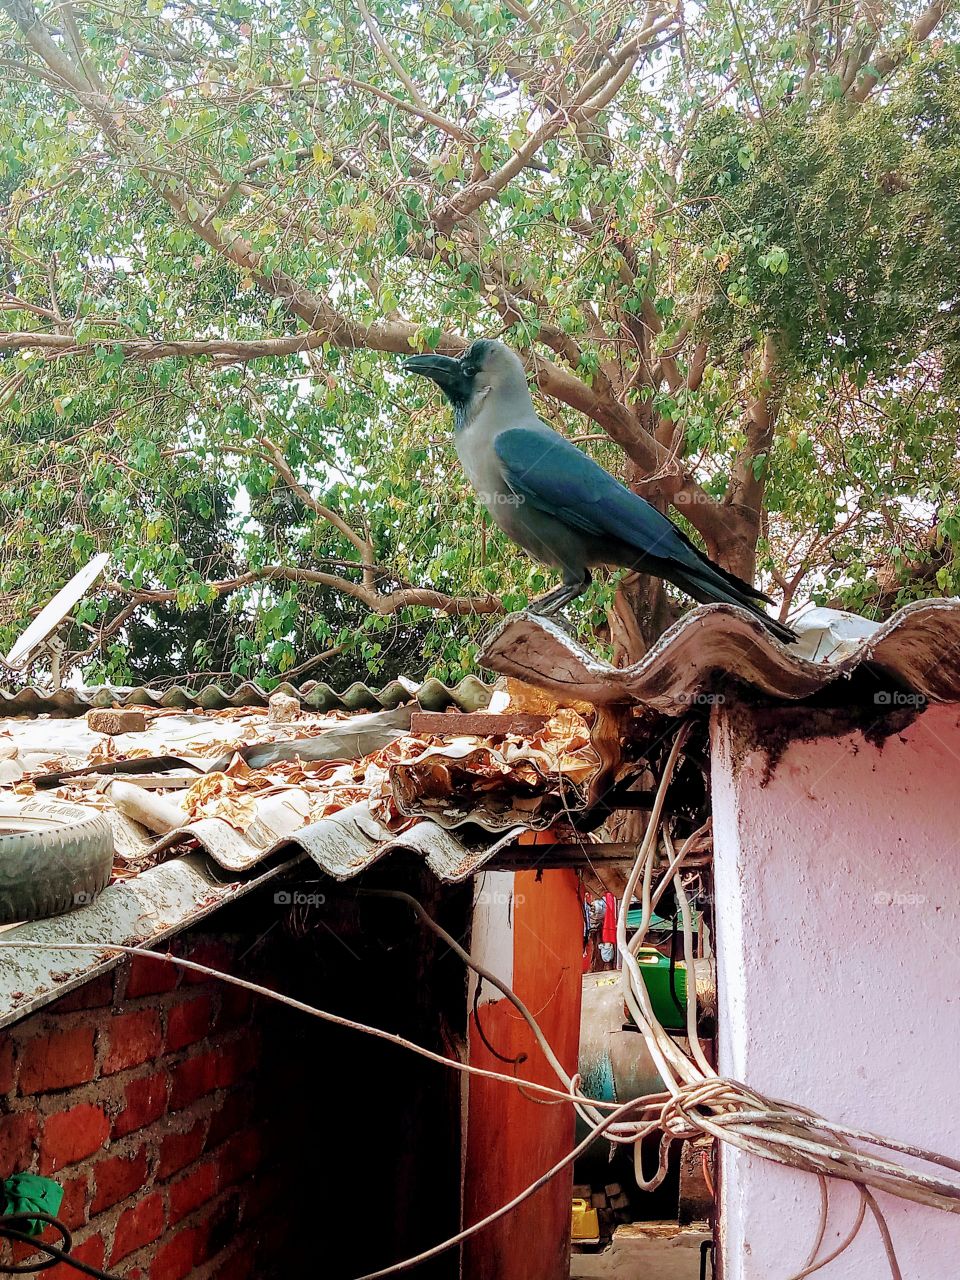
<point x="492" y="934"/>
<point x="838" y="931"/>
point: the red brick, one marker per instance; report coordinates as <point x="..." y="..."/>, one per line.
<point x="133" y="1038"/>
<point x="238" y="1158"/>
<point x="236" y="1059"/>
<point x="118" y="1177"/>
<point x="56" y="1060"/>
<point x="17" y="1132"/>
<point x="23" y="1252"/>
<point x="95" y="994"/>
<point x="177" y="1257"/>
<point x="180" y="1149"/>
<point x="114" y="720"/>
<point x="73" y="1211"/>
<point x="144" y="1101"/>
<point x="91" y="1252"/>
<point x="137" y="1226"/>
<point x="150" y="977"/>
<point x="8" y="1066"/>
<point x="193" y="1189"/>
<point x="189" y="1022"/>
<point x="195" y="1077"/>
<point x="480" y="724"/>
<point x="69" y="1136"/>
<point x="224" y="1219"/>
<point x="213" y="954"/>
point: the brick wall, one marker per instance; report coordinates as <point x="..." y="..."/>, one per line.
<point x="139" y="1093"/>
<point x="198" y="1133"/>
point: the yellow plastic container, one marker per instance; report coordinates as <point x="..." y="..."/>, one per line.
<point x="585" y="1228"/>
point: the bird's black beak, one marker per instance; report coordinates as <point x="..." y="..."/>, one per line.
<point x="446" y="372"/>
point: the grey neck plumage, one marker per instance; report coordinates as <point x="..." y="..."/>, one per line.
<point x="461" y="418"/>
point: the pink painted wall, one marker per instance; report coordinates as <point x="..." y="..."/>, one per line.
<point x="838" y="939"/>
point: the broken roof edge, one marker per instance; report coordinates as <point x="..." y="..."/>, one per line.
<point x="140" y="912"/>
<point x="918" y="648"/>
<point x="469" y="694"/>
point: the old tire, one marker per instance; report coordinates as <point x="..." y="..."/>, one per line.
<point x="54" y="857"/>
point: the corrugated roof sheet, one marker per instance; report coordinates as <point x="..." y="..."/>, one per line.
<point x="470" y="694"/>
<point x="347" y="843"/>
<point x="918" y="650"/>
<point x="175" y="894"/>
<point x="143" y="911"/>
<point x="160" y="892"/>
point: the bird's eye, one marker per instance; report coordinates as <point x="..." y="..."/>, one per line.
<point x="470" y="370"/>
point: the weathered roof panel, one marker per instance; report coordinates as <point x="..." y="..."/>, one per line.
<point x="918" y="649"/>
<point x="470" y="694"/>
<point x="160" y="901"/>
<point x="347" y="843"/>
<point x="138" y="912"/>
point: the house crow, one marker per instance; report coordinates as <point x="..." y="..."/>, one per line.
<point x="555" y="501"/>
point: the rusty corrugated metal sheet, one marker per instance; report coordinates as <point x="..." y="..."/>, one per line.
<point x="917" y="650"/>
<point x="470" y="694"/>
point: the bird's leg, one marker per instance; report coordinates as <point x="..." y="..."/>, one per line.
<point x="548" y="606"/>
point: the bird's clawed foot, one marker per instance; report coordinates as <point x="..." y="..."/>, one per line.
<point x="549" y="605"/>
<point x="557" y="618"/>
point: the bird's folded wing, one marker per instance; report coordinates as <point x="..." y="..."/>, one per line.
<point x="554" y="476"/>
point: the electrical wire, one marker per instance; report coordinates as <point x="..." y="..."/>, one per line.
<point x="584" y="1106"/>
<point x="521" y="1057"/>
<point x="165" y="957"/>
<point x="623" y="1109"/>
<point x="55" y="1254"/>
<point x="700" y="1102"/>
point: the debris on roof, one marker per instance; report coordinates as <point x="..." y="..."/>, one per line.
<point x="531" y="780"/>
<point x="918" y="650"/>
<point x="244" y="784"/>
<point x="497" y="782"/>
<point x="238" y="789"/>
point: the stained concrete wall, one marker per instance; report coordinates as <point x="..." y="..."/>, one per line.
<point x="838" y="936"/>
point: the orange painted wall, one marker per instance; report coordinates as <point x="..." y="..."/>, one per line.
<point x="511" y="1140"/>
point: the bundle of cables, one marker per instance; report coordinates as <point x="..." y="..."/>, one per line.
<point x="698" y="1102"/>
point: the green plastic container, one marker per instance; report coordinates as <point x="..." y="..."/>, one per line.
<point x="655" y="969"/>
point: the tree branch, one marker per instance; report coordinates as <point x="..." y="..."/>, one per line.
<point x="363" y="545"/>
<point x="748" y="477"/>
<point x="385" y="603"/>
<point x="891" y="58"/>
<point x="376" y="35"/>
<point x="596" y="93"/>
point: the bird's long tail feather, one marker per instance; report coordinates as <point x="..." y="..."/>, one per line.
<point x="716" y="586"/>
